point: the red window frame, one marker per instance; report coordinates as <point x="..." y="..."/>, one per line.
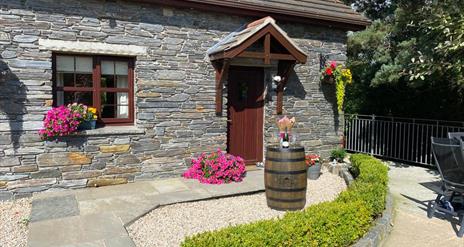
<point x="96" y="89"/>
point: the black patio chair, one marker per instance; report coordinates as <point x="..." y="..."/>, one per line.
<point x="449" y="159"/>
<point x="457" y="135"/>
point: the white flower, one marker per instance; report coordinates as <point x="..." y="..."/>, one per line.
<point x="277" y="78"/>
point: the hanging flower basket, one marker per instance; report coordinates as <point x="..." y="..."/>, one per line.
<point x="340" y="76"/>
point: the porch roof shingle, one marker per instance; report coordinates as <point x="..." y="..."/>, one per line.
<point x="242" y="34"/>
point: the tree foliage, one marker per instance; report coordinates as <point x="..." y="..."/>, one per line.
<point x="374" y="9"/>
<point x="411" y="63"/>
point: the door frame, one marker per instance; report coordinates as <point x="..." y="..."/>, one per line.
<point x="263" y="116"/>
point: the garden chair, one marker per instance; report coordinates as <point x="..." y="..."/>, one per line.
<point x="457" y="135"/>
<point x="449" y="159"/>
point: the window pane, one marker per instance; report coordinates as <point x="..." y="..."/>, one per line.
<point x="115" y="111"/>
<point x="107" y="81"/>
<point x="122" y="68"/>
<point x="59" y="98"/>
<point x="65" y="63"/>
<point x="115" y="105"/>
<point x="78" y="97"/>
<point x="64" y="79"/>
<point x="108" y="98"/>
<point x="107" y="68"/>
<point x="122" y="81"/>
<point x="123" y="111"/>
<point x="84" y="80"/>
<point x="108" y="111"/>
<point x="74" y="71"/>
<point x="114" y="74"/>
<point x="84" y="64"/>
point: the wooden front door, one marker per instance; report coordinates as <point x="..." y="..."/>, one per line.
<point x="245" y="113"/>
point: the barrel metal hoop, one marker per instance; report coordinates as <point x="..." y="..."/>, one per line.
<point x="284" y="172"/>
<point x="286" y="200"/>
<point x="285" y="190"/>
<point x="285" y="160"/>
<point x="286" y="150"/>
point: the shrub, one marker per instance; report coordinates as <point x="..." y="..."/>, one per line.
<point x="339" y="154"/>
<point x="371" y="183"/>
<point x="337" y="223"/>
<point x="217" y="168"/>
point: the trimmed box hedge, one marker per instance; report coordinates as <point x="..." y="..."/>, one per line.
<point x="337" y="223"/>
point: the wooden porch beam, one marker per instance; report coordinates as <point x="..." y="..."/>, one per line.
<point x="272" y="56"/>
<point x="216" y="56"/>
<point x="278" y="56"/>
<point x="251" y="54"/>
<point x="267" y="49"/>
<point x="221" y="75"/>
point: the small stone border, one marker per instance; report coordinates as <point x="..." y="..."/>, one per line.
<point x="382" y="226"/>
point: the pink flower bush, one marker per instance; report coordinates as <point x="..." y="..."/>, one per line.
<point x="60" y="121"/>
<point x="216" y="168"/>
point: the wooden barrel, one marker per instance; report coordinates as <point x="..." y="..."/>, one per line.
<point x="285" y="178"/>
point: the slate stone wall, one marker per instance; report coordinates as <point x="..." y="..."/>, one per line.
<point x="174" y="93"/>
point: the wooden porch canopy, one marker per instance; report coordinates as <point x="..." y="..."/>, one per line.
<point x="261" y="39"/>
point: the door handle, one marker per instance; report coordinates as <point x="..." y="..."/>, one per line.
<point x="229" y="121"/>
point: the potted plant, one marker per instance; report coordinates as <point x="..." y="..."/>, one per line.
<point x="90" y="119"/>
<point x="60" y="121"/>
<point x="313" y="162"/>
<point x="89" y="115"/>
<point x="338" y="154"/>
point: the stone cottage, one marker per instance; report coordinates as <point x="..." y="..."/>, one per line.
<point x="170" y="79"/>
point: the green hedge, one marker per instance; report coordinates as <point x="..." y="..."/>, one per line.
<point x="337" y="223"/>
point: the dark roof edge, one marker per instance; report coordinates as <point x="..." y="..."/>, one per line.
<point x="247" y="9"/>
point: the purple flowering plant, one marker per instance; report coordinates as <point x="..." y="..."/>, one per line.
<point x="217" y="168"/>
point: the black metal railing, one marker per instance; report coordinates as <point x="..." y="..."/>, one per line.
<point x="402" y="139"/>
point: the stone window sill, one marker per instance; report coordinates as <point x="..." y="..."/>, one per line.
<point x="113" y="130"/>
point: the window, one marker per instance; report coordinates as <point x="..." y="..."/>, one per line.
<point x="105" y="83"/>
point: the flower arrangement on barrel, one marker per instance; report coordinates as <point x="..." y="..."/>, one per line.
<point x="341" y="76"/>
<point x="67" y="120"/>
<point x="217" y="168"/>
<point x="285" y="126"/>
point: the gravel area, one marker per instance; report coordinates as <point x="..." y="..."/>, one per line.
<point x="169" y="225"/>
<point x="14" y="217"/>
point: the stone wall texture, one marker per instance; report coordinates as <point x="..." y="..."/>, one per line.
<point x="174" y="92"/>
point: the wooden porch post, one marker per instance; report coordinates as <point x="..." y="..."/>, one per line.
<point x="221" y="75"/>
<point x="284" y="70"/>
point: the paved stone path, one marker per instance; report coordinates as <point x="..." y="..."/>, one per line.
<point x="412" y="188"/>
<point x="97" y="217"/>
